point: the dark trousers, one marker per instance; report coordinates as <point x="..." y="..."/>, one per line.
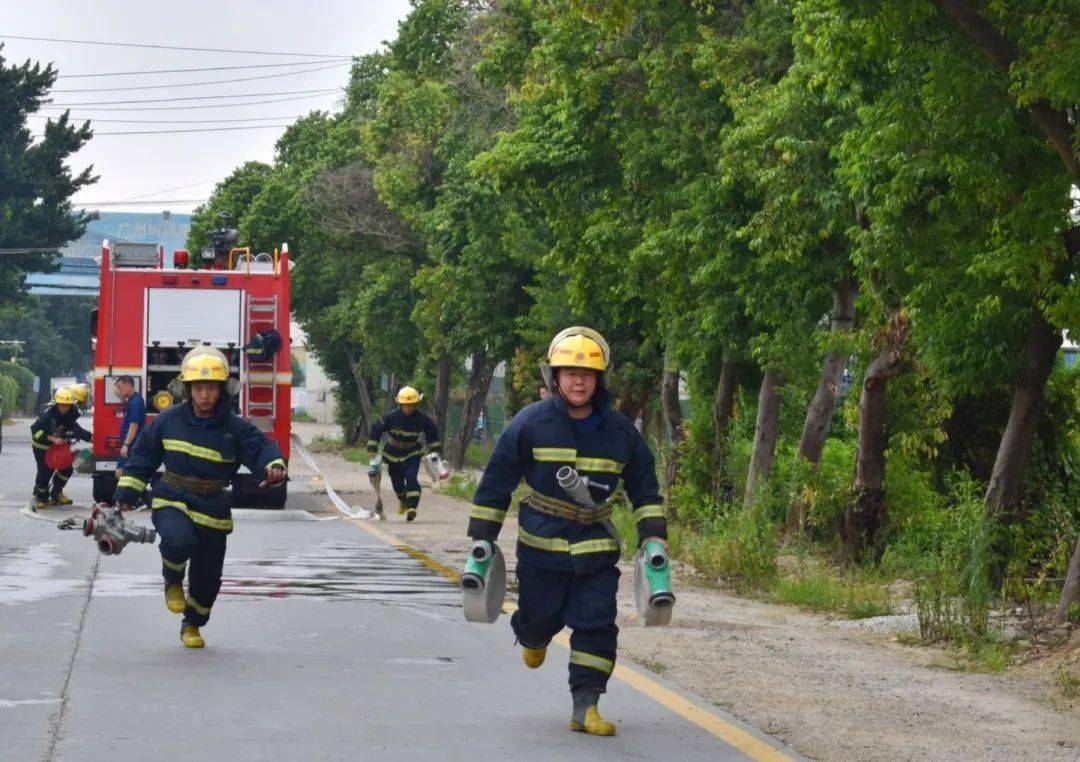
<point x="405" y="478"/>
<point x="200" y="552"/>
<point x="549" y="600"/>
<point x="45" y="475"/>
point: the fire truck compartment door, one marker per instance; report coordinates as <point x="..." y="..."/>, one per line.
<point x="175" y="315"/>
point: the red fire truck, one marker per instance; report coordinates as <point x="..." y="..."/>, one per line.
<point x="153" y="309"/>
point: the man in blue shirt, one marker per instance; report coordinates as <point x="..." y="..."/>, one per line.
<point x="134" y="418"/>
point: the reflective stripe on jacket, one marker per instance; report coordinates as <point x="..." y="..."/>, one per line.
<point x="537" y="443"/>
<point x="205" y="448"/>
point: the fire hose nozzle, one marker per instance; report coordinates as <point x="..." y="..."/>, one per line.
<point x="111" y="532"/>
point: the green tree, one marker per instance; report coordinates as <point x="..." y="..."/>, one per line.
<point x="232" y="196"/>
<point x="36" y="183"/>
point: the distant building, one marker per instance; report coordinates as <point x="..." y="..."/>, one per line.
<point x="78" y="273"/>
<point x="316" y="395"/>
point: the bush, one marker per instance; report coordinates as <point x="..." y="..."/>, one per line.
<point x="948" y="547"/>
<point x="303" y="416"/>
<point x="9" y="396"/>
<point x="24" y="377"/>
<point x="726" y="540"/>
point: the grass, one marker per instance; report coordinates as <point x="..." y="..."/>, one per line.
<point x="986" y="657"/>
<point x="627" y="529"/>
<point x="355" y="454"/>
<point x="477" y="454"/>
<point x="325" y="444"/>
<point x="458" y="486"/>
<point x="653" y="665"/>
<point x="824" y="591"/>
<point x="1069" y="683"/>
<point x="303" y="416"/>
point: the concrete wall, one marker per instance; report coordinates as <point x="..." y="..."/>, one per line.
<point x="316" y="396"/>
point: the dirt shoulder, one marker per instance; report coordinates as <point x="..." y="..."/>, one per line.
<point x="829" y="689"/>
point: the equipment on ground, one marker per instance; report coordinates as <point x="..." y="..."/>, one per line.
<point x="112" y="532"/>
<point x="435" y="467"/>
<point x="483" y="584"/>
<point x="652" y="585"/>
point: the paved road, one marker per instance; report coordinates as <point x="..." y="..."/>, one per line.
<point x="326" y="644"/>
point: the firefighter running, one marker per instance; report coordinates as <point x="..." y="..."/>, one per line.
<point x="410" y="433"/>
<point x="57" y="425"/>
<point x="202" y="444"/>
<point x="568" y="554"/>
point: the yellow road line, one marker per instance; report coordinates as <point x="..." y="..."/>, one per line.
<point x="731" y="734"/>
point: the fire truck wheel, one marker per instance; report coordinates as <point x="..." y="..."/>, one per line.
<point x="104" y="487"/>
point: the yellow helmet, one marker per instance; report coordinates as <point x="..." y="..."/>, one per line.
<point x="64" y="396"/>
<point x="81" y="392"/>
<point x="204" y="364"/>
<point x="163" y="399"/>
<point x="579" y="347"/>
<point x="408" y="396"/>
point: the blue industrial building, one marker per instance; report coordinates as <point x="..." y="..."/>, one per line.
<point x="78" y="273"/>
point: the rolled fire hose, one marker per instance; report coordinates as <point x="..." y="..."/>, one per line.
<point x="483" y="584"/>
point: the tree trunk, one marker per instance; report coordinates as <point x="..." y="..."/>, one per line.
<point x="765" y="433"/>
<point x="865" y="514"/>
<point x="723" y="406"/>
<point x="1071" y="590"/>
<point x="669" y="396"/>
<point x="1014" y="450"/>
<point x="820" y="411"/>
<point x="630" y="405"/>
<point x="443" y="378"/>
<point x="362" y="427"/>
<point x="483" y="369"/>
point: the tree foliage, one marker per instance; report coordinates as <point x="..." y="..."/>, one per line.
<point x="710" y="185"/>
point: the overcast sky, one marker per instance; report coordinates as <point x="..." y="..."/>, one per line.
<point x="189" y="164"/>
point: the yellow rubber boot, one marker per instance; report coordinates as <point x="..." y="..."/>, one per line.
<point x="401" y="509"/>
<point x="174" y="598"/>
<point x="533" y="657"/>
<point x="594" y="724"/>
<point x="40" y="505"/>
<point x="410" y="514"/>
<point x="60" y="499"/>
<point x="190" y="637"/>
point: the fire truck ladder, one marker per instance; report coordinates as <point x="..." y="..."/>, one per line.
<point x="261" y="376"/>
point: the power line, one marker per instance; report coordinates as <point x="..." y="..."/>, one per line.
<point x="184" y="71"/>
<point x="167" y="190"/>
<point x="199" y="84"/>
<point x="85" y="204"/>
<point x="186" y="108"/>
<point x="195" y="129"/>
<point x="170" y="47"/>
<point x="95" y="119"/>
<point x="199" y="97"/>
